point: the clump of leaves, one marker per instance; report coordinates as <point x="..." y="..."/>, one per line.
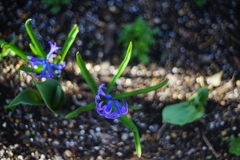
<point x="49" y="93"/>
<point x="234" y="146"/>
<point x="187" y="111"/>
<point x="7" y="51"/>
<point x="200" y="2"/>
<point x="55" y="4"/>
<point x="142" y="36"/>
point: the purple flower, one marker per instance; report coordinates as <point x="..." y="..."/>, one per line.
<point x="107" y="106"/>
<point x="48" y="68"/>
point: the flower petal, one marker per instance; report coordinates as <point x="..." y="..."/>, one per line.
<point x="108" y="107"/>
<point x="53" y="48"/>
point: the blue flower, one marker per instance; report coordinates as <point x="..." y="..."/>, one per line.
<point x="107" y="106"/>
<point x="48" y="68"/>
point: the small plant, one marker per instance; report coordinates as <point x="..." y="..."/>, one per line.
<point x="42" y="64"/>
<point x="56" y="4"/>
<point x="8" y="51"/>
<point x="142" y="36"/>
<point x="234" y="146"/>
<point x="187" y="111"/>
<point x="200" y="2"/>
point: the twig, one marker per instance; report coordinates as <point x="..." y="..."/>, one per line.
<point x="159" y="132"/>
<point x="207" y="43"/>
<point x="209" y="145"/>
<point x="233" y="38"/>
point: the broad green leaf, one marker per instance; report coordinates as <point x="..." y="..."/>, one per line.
<point x="52" y="94"/>
<point x="67" y="44"/>
<point x="35" y="42"/>
<point x="28" y="96"/>
<point x="81" y="109"/>
<point x="121" y="68"/>
<point x="182" y="113"/>
<point x="234" y="146"/>
<point x="140" y="91"/>
<point x="129" y="123"/>
<point x="86" y="74"/>
<point x="15" y="49"/>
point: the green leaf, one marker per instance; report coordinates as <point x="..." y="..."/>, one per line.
<point x="140" y="91"/>
<point x="15" y="49"/>
<point x="87" y="76"/>
<point x="35" y="42"/>
<point x="200" y="96"/>
<point x="34" y="50"/>
<point x="28" y="96"/>
<point x="121" y="68"/>
<point x="25" y="69"/>
<point x="234" y="146"/>
<point x="67" y="44"/>
<point x="182" y="113"/>
<point x="129" y="123"/>
<point x="55" y="9"/>
<point x="29" y="69"/>
<point x="81" y="109"/>
<point x="52" y="94"/>
<point x="133" y="107"/>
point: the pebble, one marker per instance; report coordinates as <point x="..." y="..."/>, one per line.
<point x="223" y="133"/>
<point x="168" y="138"/>
<point x="2" y="151"/>
<point x="68" y="153"/>
<point x="96" y="148"/>
<point x="124" y="136"/>
<point x="191" y="151"/>
<point x="99" y="158"/>
<point x="173" y="134"/>
<point x="119" y="154"/>
<point x="4" y="125"/>
<point x="20" y="157"/>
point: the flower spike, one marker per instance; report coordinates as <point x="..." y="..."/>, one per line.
<point x="48" y="68"/>
<point x="107" y="106"/>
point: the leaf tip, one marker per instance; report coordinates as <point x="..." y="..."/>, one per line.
<point x="28" y="20"/>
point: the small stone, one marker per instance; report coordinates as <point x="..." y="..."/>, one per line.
<point x="124" y="136"/>
<point x="96" y="148"/>
<point x="98" y="129"/>
<point x="42" y="157"/>
<point x="2" y="152"/>
<point x="119" y="154"/>
<point x="167" y="138"/>
<point x="175" y="70"/>
<point x="68" y="153"/>
<point x="99" y="158"/>
<point x="184" y="134"/>
<point x="70" y="126"/>
<point x="4" y="125"/>
<point x="58" y="157"/>
<point x="20" y="157"/>
<point x="174" y="135"/>
<point x="192" y="150"/>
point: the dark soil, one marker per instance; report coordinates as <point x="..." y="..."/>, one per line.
<point x="196" y="47"/>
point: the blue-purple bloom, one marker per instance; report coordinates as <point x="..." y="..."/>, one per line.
<point x="49" y="68"/>
<point x="107" y="106"/>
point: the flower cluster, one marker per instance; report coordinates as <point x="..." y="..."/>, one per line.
<point x="108" y="106"/>
<point x="48" y="68"/>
